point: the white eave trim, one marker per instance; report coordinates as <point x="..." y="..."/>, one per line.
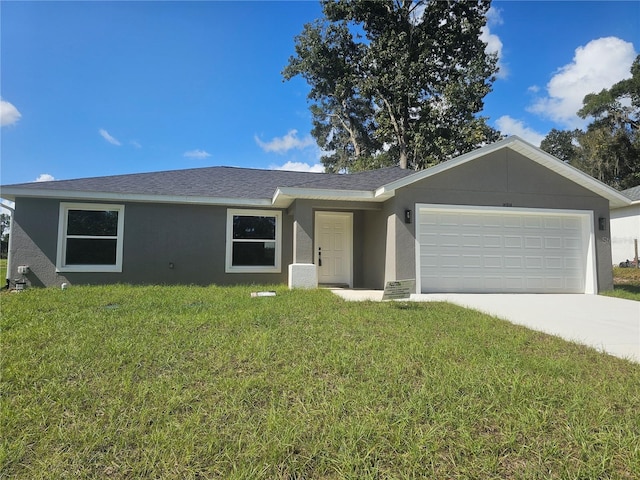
<point x="284" y="196"/>
<point x="616" y="199"/>
<point x="11" y="193"/>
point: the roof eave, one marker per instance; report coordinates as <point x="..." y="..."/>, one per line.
<point x="284" y="196"/>
<point x="11" y="193"/>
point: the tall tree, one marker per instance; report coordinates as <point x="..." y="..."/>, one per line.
<point x="562" y="144"/>
<point x="396" y="79"/>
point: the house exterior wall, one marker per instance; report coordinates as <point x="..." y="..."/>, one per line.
<point x="374" y="248"/>
<point x="503" y="178"/>
<point x="190" y="237"/>
<point x="625" y="228"/>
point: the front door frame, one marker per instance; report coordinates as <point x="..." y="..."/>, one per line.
<point x="348" y="241"/>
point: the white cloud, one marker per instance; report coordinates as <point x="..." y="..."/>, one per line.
<point x="596" y="65"/>
<point x="135" y="144"/>
<point x="511" y="126"/>
<point x="9" y="114"/>
<point x="494" y="44"/>
<point x="201" y="154"/>
<point x="104" y="134"/>
<point x="44" y="177"/>
<point x="299" y="167"/>
<point x="288" y="142"/>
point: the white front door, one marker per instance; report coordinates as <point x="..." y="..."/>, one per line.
<point x="333" y="247"/>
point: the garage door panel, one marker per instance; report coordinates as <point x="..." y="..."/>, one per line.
<point x="471" y="261"/>
<point x="512" y="262"/>
<point x="511" y="241"/>
<point x="552" y="263"/>
<point x="552" y="242"/>
<point x="492" y="241"/>
<point x="533" y="222"/>
<point x="492" y="261"/>
<point x="502" y="250"/>
<point x="534" y="262"/>
<point x="472" y="240"/>
<point x="553" y="223"/>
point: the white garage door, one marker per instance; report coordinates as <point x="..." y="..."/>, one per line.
<point x="482" y="250"/>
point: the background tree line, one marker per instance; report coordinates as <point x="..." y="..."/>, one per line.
<point x="402" y="82"/>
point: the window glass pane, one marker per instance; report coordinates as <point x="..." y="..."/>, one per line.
<point x="91" y="251"/>
<point x="254" y="254"/>
<point x="92" y="222"/>
<point x="254" y="227"/>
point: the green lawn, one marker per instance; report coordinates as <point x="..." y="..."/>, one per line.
<point x="190" y="382"/>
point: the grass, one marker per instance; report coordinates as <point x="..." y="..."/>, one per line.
<point x="192" y="382"/>
<point x="626" y="283"/>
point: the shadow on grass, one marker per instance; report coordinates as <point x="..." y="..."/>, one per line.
<point x="635" y="289"/>
<point x="627" y="291"/>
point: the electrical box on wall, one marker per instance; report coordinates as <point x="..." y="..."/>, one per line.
<point x="23" y="269"/>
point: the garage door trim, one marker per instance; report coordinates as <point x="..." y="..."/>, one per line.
<point x="586" y="217"/>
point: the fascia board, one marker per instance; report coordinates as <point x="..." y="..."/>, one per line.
<point x="10" y="193"/>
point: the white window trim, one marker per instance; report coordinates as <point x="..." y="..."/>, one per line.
<point x="229" y="268"/>
<point x="62" y="237"/>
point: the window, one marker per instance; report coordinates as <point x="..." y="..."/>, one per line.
<point x="253" y="241"/>
<point x="90" y="237"/>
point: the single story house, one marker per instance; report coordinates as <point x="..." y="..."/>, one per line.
<point x="507" y="217"/>
<point x="625" y="228"/>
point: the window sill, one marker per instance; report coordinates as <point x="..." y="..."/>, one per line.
<point x="253" y="270"/>
<point x="90" y="269"/>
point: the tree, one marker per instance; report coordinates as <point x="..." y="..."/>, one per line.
<point x="562" y="144"/>
<point x="396" y="81"/>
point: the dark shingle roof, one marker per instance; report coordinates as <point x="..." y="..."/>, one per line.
<point x="633" y="193"/>
<point x="221" y="182"/>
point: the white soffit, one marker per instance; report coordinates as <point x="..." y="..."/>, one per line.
<point x="11" y="193"/>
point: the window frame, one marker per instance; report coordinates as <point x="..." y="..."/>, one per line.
<point x="63" y="222"/>
<point x="277" y="267"/>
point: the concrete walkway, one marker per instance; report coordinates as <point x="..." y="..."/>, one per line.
<point x="610" y="325"/>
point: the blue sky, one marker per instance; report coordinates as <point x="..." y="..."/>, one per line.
<point x="92" y="89"/>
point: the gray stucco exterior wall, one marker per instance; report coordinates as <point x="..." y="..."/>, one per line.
<point x="163" y="244"/>
<point x="504" y="178"/>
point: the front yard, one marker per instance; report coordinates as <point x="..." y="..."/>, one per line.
<point x="191" y="382"/>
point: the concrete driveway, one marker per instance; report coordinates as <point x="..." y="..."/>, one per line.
<point x="610" y="325"/>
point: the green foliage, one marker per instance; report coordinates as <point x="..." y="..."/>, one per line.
<point x="192" y="382"/>
<point x="562" y="144"/>
<point x="403" y="79"/>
